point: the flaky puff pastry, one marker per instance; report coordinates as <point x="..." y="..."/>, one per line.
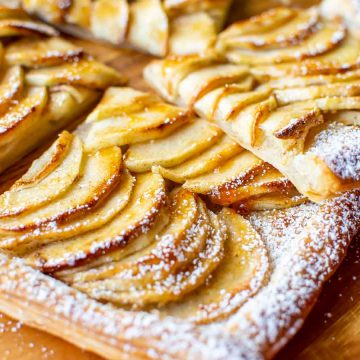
<point x="305" y="122"/>
<point x="46" y="82"/>
<point x="157" y="27"/>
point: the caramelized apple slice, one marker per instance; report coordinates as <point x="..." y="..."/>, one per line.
<point x="136" y="218"/>
<point x="288" y="33"/>
<point x="50" y="10"/>
<point x="96" y="218"/>
<point x="25" y="27"/>
<point x="207" y="161"/>
<point x="100" y="173"/>
<point x="48" y="177"/>
<point x="174" y="286"/>
<point x="110" y="19"/>
<point x="176" y="246"/>
<point x="11" y="88"/>
<point x="268" y="181"/>
<point x="25" y="113"/>
<point x="186" y="142"/>
<point x="41" y="53"/>
<point x="149" y="28"/>
<point x="344" y="89"/>
<point x="85" y="72"/>
<point x="79" y="13"/>
<point x="242" y="272"/>
<point x="325" y="39"/>
<point x="231" y="174"/>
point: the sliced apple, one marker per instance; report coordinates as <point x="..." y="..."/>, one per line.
<point x="174" y="286"/>
<point x="7" y="12"/>
<point x="48" y="177"/>
<point x="25" y="113"/>
<point x="136" y="218"/>
<point x="207" y="161"/>
<point x="287" y="96"/>
<point x="346" y="117"/>
<point x="243" y="271"/>
<point x="100" y="174"/>
<point x="330" y="35"/>
<point x="202" y="81"/>
<point x="177" y="244"/>
<point x="231" y="174"/>
<point x="268" y="181"/>
<point x="149" y="28"/>
<point x="11" y="88"/>
<point x="85" y="72"/>
<point x="96" y="218"/>
<point x="51" y="10"/>
<point x="110" y="19"/>
<point x="41" y="53"/>
<point x="291" y="32"/>
<point x="176" y="148"/>
<point x="25" y="27"/>
<point x="78" y="13"/>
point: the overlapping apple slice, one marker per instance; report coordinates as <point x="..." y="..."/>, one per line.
<point x="126" y="116"/>
<point x="242" y="272"/>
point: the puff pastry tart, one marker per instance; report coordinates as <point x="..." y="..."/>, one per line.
<point x="307" y="127"/>
<point x="100" y="251"/>
<point x="46" y="82"/>
<point x="154" y="26"/>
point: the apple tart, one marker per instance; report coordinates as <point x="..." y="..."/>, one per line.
<point x="307" y="127"/>
<point x="46" y="82"/>
<point x="158" y="27"/>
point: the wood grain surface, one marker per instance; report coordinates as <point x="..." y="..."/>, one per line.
<point x="332" y="331"/>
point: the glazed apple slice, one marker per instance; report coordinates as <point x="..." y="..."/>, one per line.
<point x="101" y="172"/>
<point x="11" y="88"/>
<point x="178" y="243"/>
<point x="288" y="33"/>
<point x="51" y="10"/>
<point x="47" y="178"/>
<point x="143" y="118"/>
<point x="240" y="275"/>
<point x="323" y="40"/>
<point x="101" y="215"/>
<point x="109" y="20"/>
<point x="78" y="13"/>
<point x="149" y="28"/>
<point x="135" y="219"/>
<point x="230" y="174"/>
<point x="24" y="27"/>
<point x="85" y="72"/>
<point x="174" y="286"/>
<point x="189" y="140"/>
<point x="41" y="52"/>
<point x="207" y="161"/>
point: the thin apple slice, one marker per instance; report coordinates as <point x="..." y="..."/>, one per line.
<point x="207" y="161"/>
<point x="287" y="96"/>
<point x="291" y="32"/>
<point x="189" y="140"/>
<point x="269" y="202"/>
<point x="78" y="13"/>
<point x="243" y="271"/>
<point x="7" y="12"/>
<point x="96" y="218"/>
<point x="347" y="117"/>
<point x="268" y="181"/>
<point x="147" y="239"/>
<point x="48" y="177"/>
<point x="328" y="36"/>
<point x="202" y="81"/>
<point x="85" y="72"/>
<point x="343" y="57"/>
<point x="230" y="174"/>
<point x="110" y="19"/>
<point x="25" y="113"/>
<point x="25" y="27"/>
<point x="174" y="286"/>
<point x="176" y="246"/>
<point x="149" y="28"/>
<point x="136" y="218"/>
<point x="52" y="11"/>
<point x="101" y="172"/>
<point x="41" y="52"/>
<point x="143" y="118"/>
<point x="11" y="88"/>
